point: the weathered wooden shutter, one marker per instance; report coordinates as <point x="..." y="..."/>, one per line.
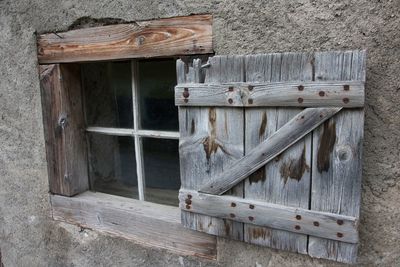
<point x="270" y="149"/>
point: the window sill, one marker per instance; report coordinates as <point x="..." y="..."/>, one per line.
<point x="146" y="223"/>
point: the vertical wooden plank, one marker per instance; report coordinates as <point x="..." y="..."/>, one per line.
<point x="286" y="180"/>
<point x="64" y="128"/>
<point x="211" y="139"/>
<point x="337" y="149"/>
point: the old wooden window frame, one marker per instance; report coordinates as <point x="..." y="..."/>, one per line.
<point x="147" y="223"/>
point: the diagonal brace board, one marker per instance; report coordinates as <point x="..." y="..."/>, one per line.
<point x="308" y="222"/>
<point x="287" y="135"/>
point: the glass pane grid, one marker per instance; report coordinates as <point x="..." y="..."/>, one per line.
<point x="155" y="159"/>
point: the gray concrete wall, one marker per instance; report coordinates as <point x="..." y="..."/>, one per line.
<point x="28" y="237"/>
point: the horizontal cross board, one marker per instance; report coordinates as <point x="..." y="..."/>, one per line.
<point x="348" y="94"/>
<point x="320" y="224"/>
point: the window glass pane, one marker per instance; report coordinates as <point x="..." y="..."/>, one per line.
<point x="157" y="79"/>
<point x="161" y="165"/>
<point x="112" y="165"/>
<point x="108" y="94"/>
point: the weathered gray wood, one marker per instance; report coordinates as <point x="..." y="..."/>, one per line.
<point x="337" y="148"/>
<point x="146" y="223"/>
<point x="64" y="129"/>
<point x="287" y="135"/>
<point x="211" y="139"/>
<point x="290" y="94"/>
<point x="132" y="132"/>
<point x="262" y="213"/>
<point x="154" y="38"/>
<point x="285" y="180"/>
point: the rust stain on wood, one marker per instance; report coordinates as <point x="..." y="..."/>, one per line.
<point x="326" y="145"/>
<point x="192" y="127"/>
<point x="259" y="232"/>
<point x="294" y="168"/>
<point x="263" y="125"/>
<point x="210" y="143"/>
<point x="257" y="176"/>
<point x="227" y="227"/>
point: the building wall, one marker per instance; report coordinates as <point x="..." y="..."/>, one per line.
<point x="28" y="237"/>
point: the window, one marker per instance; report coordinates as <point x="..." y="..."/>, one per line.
<point x="269" y="145"/>
<point x="111" y="128"/>
<point x="133" y="129"/>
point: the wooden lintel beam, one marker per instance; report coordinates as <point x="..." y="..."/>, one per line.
<point x="347" y="94"/>
<point x="154" y="38"/>
<point x="287" y="135"/>
<point x="298" y="220"/>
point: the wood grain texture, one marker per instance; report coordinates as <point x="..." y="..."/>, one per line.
<point x="146" y="223"/>
<point x="262" y="213"/>
<point x="337" y="150"/>
<point x="286" y="179"/>
<point x="298" y="127"/>
<point x="285" y="94"/>
<point x="211" y="139"/>
<point x="154" y="38"/>
<point x="64" y="129"/>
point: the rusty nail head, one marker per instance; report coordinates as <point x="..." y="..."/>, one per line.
<point x="233" y="204"/>
<point x="297" y="227"/>
<point x="340" y="222"/>
<point x="298" y="217"/>
<point x="300" y="100"/>
<point x="340" y="235"/>
<point x="230" y="100"/>
<point x="300" y="87"/>
<point x="316" y="224"/>
<point x="188" y="207"/>
<point x="346" y="100"/>
<point x="185" y="94"/>
<point x="230" y="88"/>
<point x="321" y="93"/>
<point x="251" y="218"/>
<point x="250" y="101"/>
<point x="188" y="201"/>
<point x="346" y="87"/>
<point x="250" y="87"/>
<point x="189" y="196"/>
<point x="251" y="206"/>
<point x="232" y="215"/>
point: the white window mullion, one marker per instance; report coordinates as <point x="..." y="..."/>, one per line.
<point x="136" y="126"/>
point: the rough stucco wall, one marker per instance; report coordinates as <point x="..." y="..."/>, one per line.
<point x="28" y="237"/>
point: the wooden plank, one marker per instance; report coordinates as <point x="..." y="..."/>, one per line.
<point x="154" y="38"/>
<point x="64" y="129"/>
<point x="288" y="94"/>
<point x="337" y="150"/>
<point x="211" y="139"/>
<point x="287" y="135"/>
<point x="262" y="213"/>
<point x="285" y="180"/>
<point x="146" y="223"/>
